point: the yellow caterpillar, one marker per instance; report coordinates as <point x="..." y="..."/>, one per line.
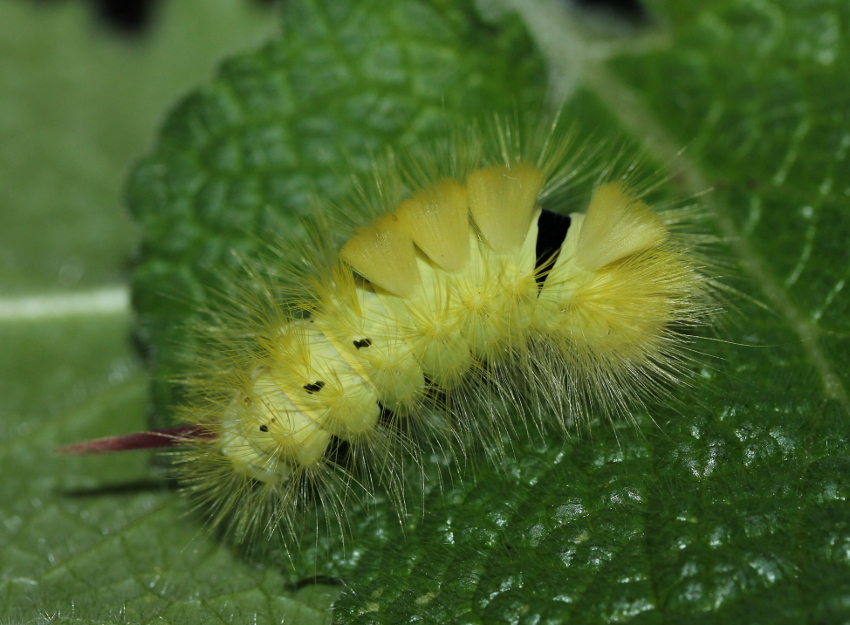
<point x="461" y="302"/>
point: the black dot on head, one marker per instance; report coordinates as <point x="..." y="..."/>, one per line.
<point x="264" y="428"/>
<point x="315" y="387"/>
<point x="362" y="343"/>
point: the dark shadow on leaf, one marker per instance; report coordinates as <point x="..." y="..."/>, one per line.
<point x="108" y="490"/>
<point x="314" y="580"/>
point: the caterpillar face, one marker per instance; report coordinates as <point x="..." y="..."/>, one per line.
<point x="463" y="278"/>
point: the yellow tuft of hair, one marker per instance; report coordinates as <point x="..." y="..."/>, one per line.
<point x="616" y="225"/>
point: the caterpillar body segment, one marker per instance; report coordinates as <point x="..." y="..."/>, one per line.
<point x="465" y="292"/>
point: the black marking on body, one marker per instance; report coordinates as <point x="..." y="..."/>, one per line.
<point x="434" y="394"/>
<point x="385" y="416"/>
<point x="338" y="453"/>
<point x="551" y="232"/>
<point x="362" y="343"/>
<point x="264" y="428"/>
<point x="315" y="387"/>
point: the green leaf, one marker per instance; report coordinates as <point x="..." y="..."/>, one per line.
<point x="727" y="504"/>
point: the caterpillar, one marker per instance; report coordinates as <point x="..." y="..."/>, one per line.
<point x="457" y="302"/>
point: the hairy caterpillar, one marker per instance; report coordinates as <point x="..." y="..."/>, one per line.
<point x="460" y="301"/>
